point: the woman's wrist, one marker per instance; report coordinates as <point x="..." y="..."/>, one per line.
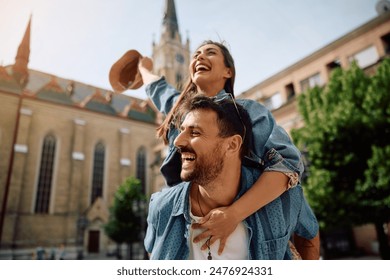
<point x="233" y="213"/>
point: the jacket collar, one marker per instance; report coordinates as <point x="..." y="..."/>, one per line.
<point x="181" y="206"/>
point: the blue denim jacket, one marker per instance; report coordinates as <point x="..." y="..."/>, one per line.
<point x="167" y="235"/>
<point x="272" y="147"/>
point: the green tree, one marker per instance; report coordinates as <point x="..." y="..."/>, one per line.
<point x="345" y="137"/>
<point x="126" y="215"/>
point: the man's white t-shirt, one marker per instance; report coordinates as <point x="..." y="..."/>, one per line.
<point x="236" y="247"/>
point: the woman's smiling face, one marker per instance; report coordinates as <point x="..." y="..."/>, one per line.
<point x="207" y="68"/>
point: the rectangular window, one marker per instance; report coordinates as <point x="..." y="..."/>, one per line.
<point x="290" y="91"/>
<point x="312" y="81"/>
<point x="366" y="57"/>
<point x="273" y="102"/>
<point x="386" y="43"/>
<point x="333" y="65"/>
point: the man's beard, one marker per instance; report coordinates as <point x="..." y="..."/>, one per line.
<point x="206" y="169"/>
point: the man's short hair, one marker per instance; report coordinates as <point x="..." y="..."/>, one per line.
<point x="232" y="118"/>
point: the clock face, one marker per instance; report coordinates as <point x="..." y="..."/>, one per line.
<point x="179" y="58"/>
<point x="382" y="6"/>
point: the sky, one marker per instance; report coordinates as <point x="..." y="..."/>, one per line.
<point x="81" y="39"/>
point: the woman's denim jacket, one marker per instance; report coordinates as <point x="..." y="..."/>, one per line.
<point x="272" y="147"/>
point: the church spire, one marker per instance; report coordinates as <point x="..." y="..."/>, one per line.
<point x="170" y="24"/>
<point x="170" y="56"/>
<point x="20" y="68"/>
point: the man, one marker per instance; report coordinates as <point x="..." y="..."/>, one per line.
<point x="213" y="140"/>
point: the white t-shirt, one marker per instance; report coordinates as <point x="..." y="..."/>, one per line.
<point x="236" y="247"/>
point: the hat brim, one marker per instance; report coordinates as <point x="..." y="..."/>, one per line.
<point x="124" y="73"/>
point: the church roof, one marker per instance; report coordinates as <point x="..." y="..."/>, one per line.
<point x="141" y="111"/>
<point x="67" y="92"/>
<point x="99" y="103"/>
<point x="54" y="92"/>
<point x="7" y="82"/>
<point x="19" y="79"/>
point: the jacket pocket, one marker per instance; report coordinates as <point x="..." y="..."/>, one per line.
<point x="275" y="249"/>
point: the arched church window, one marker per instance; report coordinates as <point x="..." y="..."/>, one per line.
<point x="45" y="179"/>
<point x="141" y="167"/>
<point x="98" y="171"/>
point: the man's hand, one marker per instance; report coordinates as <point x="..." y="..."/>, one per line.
<point x="219" y="223"/>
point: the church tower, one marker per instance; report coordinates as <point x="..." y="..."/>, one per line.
<point x="171" y="56"/>
<point x="20" y="68"/>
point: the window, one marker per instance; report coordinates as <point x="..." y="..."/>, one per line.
<point x="141" y="167"/>
<point x="386" y="43"/>
<point x="45" y="179"/>
<point x="274" y="102"/>
<point x="98" y="172"/>
<point x="366" y="57"/>
<point x="179" y="81"/>
<point x="178" y="78"/>
<point x="310" y="82"/>
<point x="290" y="91"/>
<point x="333" y="65"/>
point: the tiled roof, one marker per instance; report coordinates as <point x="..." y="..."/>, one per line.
<point x="99" y="103"/>
<point x="7" y="82"/>
<point x="53" y="92"/>
<point x="72" y="93"/>
<point x="147" y="116"/>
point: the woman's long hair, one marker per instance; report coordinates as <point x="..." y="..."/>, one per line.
<point x="190" y="89"/>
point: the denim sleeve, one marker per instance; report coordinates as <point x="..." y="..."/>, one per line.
<point x="271" y="143"/>
<point x="307" y="224"/>
<point x="152" y="219"/>
<point x="162" y="94"/>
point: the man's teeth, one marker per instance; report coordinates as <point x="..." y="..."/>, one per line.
<point x="188" y="157"/>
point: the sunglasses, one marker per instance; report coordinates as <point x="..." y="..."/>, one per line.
<point x="217" y="99"/>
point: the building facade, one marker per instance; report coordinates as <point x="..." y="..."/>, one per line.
<point x="368" y="45"/>
<point x="65" y="147"/>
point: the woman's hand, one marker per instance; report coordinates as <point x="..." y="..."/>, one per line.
<point x="219" y="223"/>
<point x="145" y="64"/>
<point x="145" y="67"/>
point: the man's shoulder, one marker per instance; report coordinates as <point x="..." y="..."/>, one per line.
<point x="255" y="109"/>
<point x="167" y="192"/>
<point x="250" y="102"/>
<point x="168" y="201"/>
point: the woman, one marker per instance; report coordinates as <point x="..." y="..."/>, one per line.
<point x="212" y="73"/>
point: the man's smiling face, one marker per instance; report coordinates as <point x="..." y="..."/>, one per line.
<point x="200" y="146"/>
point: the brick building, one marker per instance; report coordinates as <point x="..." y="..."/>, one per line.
<point x="368" y="45"/>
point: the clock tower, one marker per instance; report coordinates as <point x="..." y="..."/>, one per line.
<point x="170" y="56"/>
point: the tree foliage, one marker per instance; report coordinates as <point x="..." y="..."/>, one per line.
<point x="346" y="136"/>
<point x="124" y="225"/>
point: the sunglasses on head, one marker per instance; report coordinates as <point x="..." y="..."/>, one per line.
<point x="216" y="99"/>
